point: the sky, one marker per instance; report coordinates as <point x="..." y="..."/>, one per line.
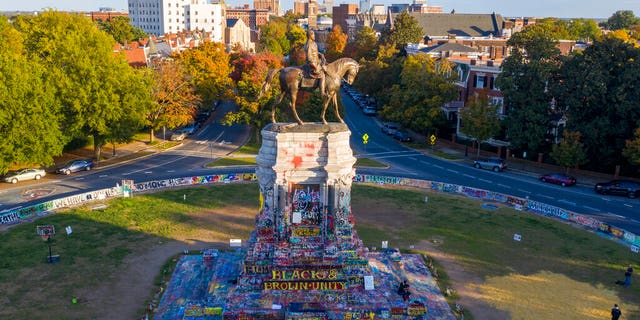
<point x="507" y="8"/>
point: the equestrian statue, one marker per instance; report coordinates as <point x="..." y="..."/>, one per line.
<point x="315" y="74"/>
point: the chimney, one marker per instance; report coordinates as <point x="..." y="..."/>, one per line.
<point x="473" y="62"/>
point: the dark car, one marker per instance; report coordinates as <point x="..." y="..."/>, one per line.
<point x="495" y="164"/>
<point x="402" y="136"/>
<point x="627" y="188"/>
<point x="75" y="166"/>
<point x="559" y="178"/>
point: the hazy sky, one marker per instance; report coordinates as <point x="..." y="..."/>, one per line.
<point x="508" y="8"/>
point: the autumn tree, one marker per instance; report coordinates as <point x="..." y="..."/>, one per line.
<point x="480" y="119"/>
<point x="209" y="67"/>
<point x="570" y="151"/>
<point x="175" y="101"/>
<point x="336" y="42"/>
<point x="249" y="75"/>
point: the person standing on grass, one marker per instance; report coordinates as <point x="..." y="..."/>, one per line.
<point x="627" y="276"/>
<point x="615" y="312"/>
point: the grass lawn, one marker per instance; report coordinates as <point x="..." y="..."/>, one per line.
<point x="233" y="161"/>
<point x="555" y="272"/>
<point x="366" y="162"/>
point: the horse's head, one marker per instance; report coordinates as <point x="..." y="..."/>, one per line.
<point x="352" y="72"/>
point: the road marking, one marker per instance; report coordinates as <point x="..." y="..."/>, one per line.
<point x="148" y="172"/>
<point x="468" y="176"/>
<point x="525" y="191"/>
<point x="485" y="180"/>
<point x="628" y="205"/>
<point x="159" y="165"/>
<point x="202" y="130"/>
<point x="412" y="158"/>
<point x="201" y="141"/>
<point x="437" y="166"/>
<point x="590" y="208"/>
<point x="79" y="178"/>
<point x="545" y="196"/>
<point x="454" y="171"/>
<point x="171" y="171"/>
<point x="567" y="202"/>
<point x="504" y="186"/>
<point x="103" y="175"/>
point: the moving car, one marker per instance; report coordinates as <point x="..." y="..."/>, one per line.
<point x="75" y="166"/>
<point x="369" y="111"/>
<point x="390" y="127"/>
<point x="627" y="188"/>
<point x="178" y="135"/>
<point x="559" y="178"/>
<point x="495" y="164"/>
<point x="402" y="136"/>
<point x="24" y="174"/>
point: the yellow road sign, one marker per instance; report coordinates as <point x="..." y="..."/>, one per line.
<point x="365" y="137"/>
<point x="432" y="139"/>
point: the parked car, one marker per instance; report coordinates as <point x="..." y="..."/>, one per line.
<point x="178" y="135"/>
<point x="24" y="174"/>
<point x="627" y="188"/>
<point x="495" y="164"/>
<point x="390" y="127"/>
<point x="559" y="178"/>
<point x="75" y="166"/>
<point x="402" y="136"/>
<point x="369" y="111"/>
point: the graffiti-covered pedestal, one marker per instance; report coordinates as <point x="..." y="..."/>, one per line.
<point x="304" y="260"/>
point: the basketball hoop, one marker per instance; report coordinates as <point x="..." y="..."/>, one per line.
<point x="46" y="232"/>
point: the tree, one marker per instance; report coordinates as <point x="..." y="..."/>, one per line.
<point x="94" y="87"/>
<point x="524" y="81"/>
<point x="480" y="119"/>
<point x="570" y="151"/>
<point x="632" y="148"/>
<point x="273" y="37"/>
<point x="121" y="29"/>
<point x="405" y="29"/>
<point x="249" y="75"/>
<point x="335" y="43"/>
<point x="175" y="102"/>
<point x="364" y="46"/>
<point x="30" y="118"/>
<point x="425" y="85"/>
<point x="622" y="19"/>
<point x="209" y="67"/>
<point x="599" y="92"/>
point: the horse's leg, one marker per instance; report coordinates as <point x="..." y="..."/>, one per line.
<point x="294" y="97"/>
<point x="324" y="109"/>
<point x="335" y="103"/>
<point x="273" y="107"/>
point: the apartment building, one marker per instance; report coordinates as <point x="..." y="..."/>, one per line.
<point x="159" y="17"/>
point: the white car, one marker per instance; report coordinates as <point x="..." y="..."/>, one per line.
<point x="178" y="135"/>
<point x="24" y="174"/>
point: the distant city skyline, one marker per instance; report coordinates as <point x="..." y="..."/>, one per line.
<point x="507" y="8"/>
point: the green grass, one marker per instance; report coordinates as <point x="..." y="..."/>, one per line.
<point x="248" y="149"/>
<point x="366" y="162"/>
<point x="480" y="240"/>
<point x="233" y="161"/>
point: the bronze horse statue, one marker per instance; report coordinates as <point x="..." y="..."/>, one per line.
<point x="291" y="80"/>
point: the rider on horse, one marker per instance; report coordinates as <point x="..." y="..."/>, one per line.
<point x="315" y="60"/>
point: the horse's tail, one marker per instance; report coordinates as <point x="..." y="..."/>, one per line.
<point x="267" y="82"/>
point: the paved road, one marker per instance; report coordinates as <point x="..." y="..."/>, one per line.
<point x="215" y="140"/>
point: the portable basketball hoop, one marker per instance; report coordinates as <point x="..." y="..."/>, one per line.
<point x="46" y="232"/>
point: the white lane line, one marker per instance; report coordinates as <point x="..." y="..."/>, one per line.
<point x="437" y="166"/>
<point x="202" y="130"/>
<point x="103" y="175"/>
<point x="454" y="171"/>
<point x="468" y="176"/>
<point x="590" y="208"/>
<point x="148" y="172"/>
<point x="545" y="196"/>
<point x="159" y="165"/>
<point x="79" y="178"/>
<point x="567" y="202"/>
<point x="412" y="158"/>
<point x="525" y="191"/>
<point x="504" y="186"/>
<point x="171" y="171"/>
<point x="628" y="205"/>
<point x="485" y="180"/>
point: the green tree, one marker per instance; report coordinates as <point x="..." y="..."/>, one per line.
<point x="632" y="148"/>
<point x="209" y="67"/>
<point x="273" y="37"/>
<point x="524" y="81"/>
<point x="480" y="119"/>
<point x="175" y="102"/>
<point x="570" y="151"/>
<point x="386" y="69"/>
<point x="584" y="29"/>
<point x="425" y="85"/>
<point x="336" y="42"/>
<point x="599" y="92"/>
<point x="121" y="29"/>
<point x="364" y="46"/>
<point x="622" y="19"/>
<point x="405" y="29"/>
<point x="94" y="87"/>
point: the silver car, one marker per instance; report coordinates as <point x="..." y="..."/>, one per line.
<point x="24" y="174"/>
